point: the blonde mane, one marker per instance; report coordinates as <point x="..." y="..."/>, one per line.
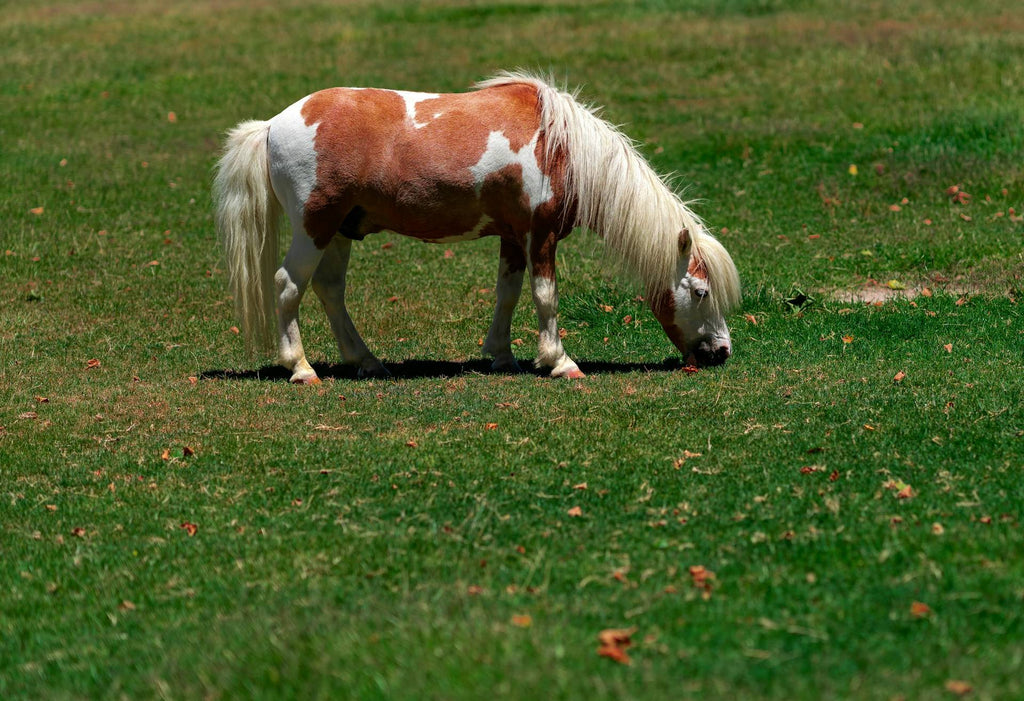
<point x="621" y="198"/>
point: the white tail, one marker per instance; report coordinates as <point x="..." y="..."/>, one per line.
<point x="248" y="217"/>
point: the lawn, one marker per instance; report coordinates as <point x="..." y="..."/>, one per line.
<point x="834" y="513"/>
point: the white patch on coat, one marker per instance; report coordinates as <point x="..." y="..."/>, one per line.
<point x="499" y="155"/>
<point x="411" y="100"/>
<point x="292" y="152"/>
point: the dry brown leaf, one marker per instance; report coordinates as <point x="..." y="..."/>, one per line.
<point x="490" y="426"/>
<point x="580" y="486"/>
<point x="92" y="364"/>
<point x="36" y="210"/>
<point x="187" y="452"/>
<point x="899" y="377"/>
<point x="78" y="532"/>
<point x="919" y="609"/>
<point x="522" y="620"/>
<point x="190" y="528"/>
<point x="958" y="687"/>
<point x="612" y="643"/>
<point x="575" y="511"/>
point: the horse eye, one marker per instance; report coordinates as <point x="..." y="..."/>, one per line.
<point x="701" y="293"/>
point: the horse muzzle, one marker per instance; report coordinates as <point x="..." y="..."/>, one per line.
<point x="709" y="353"/>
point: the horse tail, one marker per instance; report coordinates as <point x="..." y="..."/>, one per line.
<point x="248" y="216"/>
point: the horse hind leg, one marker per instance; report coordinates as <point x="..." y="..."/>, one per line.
<point x="511" y="266"/>
<point x="291" y="281"/>
<point x="329" y="285"/>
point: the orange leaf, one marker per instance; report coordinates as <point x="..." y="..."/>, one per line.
<point x="948" y="347"/>
<point x="899" y="377"/>
<point x="171" y="117"/>
<point x="490" y="426"/>
<point x="847" y="339"/>
<point x="448" y="253"/>
<point x="920" y="610"/>
<point x="36" y="210"/>
<point x="605" y="307"/>
<point x="580" y="486"/>
<point x="412" y="444"/>
<point x="187" y="452"/>
<point x="190" y="528"/>
<point x="575" y="511"/>
<point x="78" y="532"/>
<point x="166" y="455"/>
<point x="958" y="687"/>
<point x="613" y="643"/>
<point x="522" y="620"/>
<point x="92" y="364"/>
<point x="751" y="319"/>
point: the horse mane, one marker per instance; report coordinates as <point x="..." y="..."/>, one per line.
<point x="621" y="198"/>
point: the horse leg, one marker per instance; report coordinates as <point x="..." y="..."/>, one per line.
<point x="291" y="280"/>
<point x="545" y="297"/>
<point x="511" y="266"/>
<point x="329" y="285"/>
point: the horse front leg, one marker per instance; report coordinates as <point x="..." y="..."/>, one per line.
<point x="291" y="280"/>
<point x="545" y="297"/>
<point x="511" y="266"/>
<point x="329" y="285"/>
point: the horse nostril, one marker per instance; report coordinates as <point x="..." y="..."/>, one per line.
<point x="707" y="355"/>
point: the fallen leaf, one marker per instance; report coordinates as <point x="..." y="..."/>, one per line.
<point x="612" y="643"/>
<point x="166" y="455"/>
<point x="581" y="486"/>
<point x="894" y="208"/>
<point x="449" y="253"/>
<point x="847" y="339"/>
<point x="852" y="170"/>
<point x="948" y="347"/>
<point x="412" y="444"/>
<point x="920" y="610"/>
<point x="474" y="590"/>
<point x="605" y="307"/>
<point x="187" y="452"/>
<point x="78" y="532"/>
<point x="628" y="319"/>
<point x="926" y="292"/>
<point x="126" y="605"/>
<point x="895" y="285"/>
<point x="92" y="364"/>
<point x="190" y="528"/>
<point x="43" y="400"/>
<point x="234" y="330"/>
<point x="702" y="578"/>
<point x="522" y="620"/>
<point x="938" y="528"/>
<point x="833" y="476"/>
<point x="28" y="415"/>
<point x="490" y="426"/>
<point x="958" y="687"/>
<point x="575" y="511"/>
<point x="172" y="117"/>
<point x="751" y="318"/>
<point x="811" y="468"/>
<point x="36" y="210"/>
<point x="906" y="493"/>
<point x="899" y="377"/>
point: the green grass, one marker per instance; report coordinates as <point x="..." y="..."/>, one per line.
<point x="383" y="539"/>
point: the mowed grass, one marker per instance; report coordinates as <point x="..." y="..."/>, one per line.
<point x="176" y="520"/>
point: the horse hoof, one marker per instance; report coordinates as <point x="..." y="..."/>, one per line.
<point x="576" y="374"/>
<point x="305" y="380"/>
<point x="509" y="366"/>
<point x="377" y="372"/>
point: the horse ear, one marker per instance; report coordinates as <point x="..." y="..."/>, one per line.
<point x="685" y="243"/>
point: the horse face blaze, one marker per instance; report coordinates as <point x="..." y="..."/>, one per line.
<point x="691" y="322"/>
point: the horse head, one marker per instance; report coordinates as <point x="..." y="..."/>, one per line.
<point x="692" y="311"/>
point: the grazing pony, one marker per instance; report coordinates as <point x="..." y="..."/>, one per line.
<point x="515" y="158"/>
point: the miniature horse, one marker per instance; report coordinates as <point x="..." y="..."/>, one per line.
<point x="516" y="158"/>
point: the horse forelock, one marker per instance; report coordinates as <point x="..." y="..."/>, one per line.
<point x="710" y="258"/>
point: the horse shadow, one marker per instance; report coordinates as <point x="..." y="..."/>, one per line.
<point x="418" y="368"/>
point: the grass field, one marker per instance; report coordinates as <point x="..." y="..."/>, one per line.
<point x="835" y="513"/>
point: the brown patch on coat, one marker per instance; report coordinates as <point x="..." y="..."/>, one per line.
<point x="417" y="181"/>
